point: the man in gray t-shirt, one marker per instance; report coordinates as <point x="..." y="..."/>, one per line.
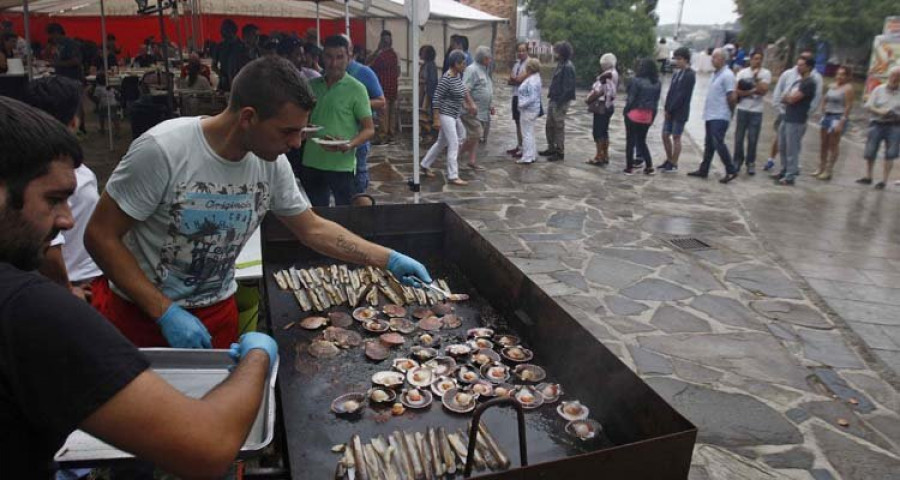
<point x="884" y="112"/>
<point x="186" y="197"/>
<point x="752" y="85"/>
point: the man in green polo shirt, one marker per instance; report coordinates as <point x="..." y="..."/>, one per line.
<point x="342" y="108"/>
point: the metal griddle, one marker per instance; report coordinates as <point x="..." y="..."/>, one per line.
<point x="643" y="436"/>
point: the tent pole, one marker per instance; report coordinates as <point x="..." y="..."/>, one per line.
<point x="444" y="23"/>
<point x="318" y="26"/>
<point x="170" y="94"/>
<point x="347" y="18"/>
<point x="109" y="122"/>
<point x="493" y="42"/>
<point x="414" y="25"/>
<point x="178" y="31"/>
<point x="28" y="54"/>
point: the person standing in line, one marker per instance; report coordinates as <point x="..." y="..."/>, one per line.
<point x="517" y="75"/>
<point x="343" y="109"/>
<point x="797" y="104"/>
<point x="662" y="54"/>
<point x="250" y="34"/>
<point x="428" y="80"/>
<point x="884" y="111"/>
<point x="717" y="115"/>
<point x="477" y="79"/>
<point x="387" y="68"/>
<point x="787" y="78"/>
<point x="640" y="111"/>
<point x="836" y="108"/>
<point x="369" y="79"/>
<point x="752" y="85"/>
<point x="230" y="57"/>
<point x="603" y="90"/>
<point x="449" y="99"/>
<point x="529" y="108"/>
<point x="562" y="92"/>
<point x="677" y="108"/>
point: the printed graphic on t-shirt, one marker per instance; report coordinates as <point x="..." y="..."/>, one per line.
<point x="209" y="225"/>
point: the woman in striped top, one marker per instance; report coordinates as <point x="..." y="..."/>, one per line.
<point x="449" y="98"/>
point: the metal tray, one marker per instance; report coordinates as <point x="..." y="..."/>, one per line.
<point x="194" y="373"/>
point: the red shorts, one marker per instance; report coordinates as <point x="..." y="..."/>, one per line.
<point x="220" y="319"/>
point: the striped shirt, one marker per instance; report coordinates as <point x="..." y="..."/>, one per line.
<point x="449" y="95"/>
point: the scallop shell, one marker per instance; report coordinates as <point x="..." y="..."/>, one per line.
<point x="468" y="375"/>
<point x="422" y="312"/>
<point x="441" y="366"/>
<point x="483" y="388"/>
<point x="429" y="340"/>
<point x="376" y="350"/>
<point x="382" y="395"/>
<point x="479" y="343"/>
<point x="495" y="373"/>
<point x="443" y="384"/>
<point x="458" y="349"/>
<point x="529" y="397"/>
<point x="313" y="323"/>
<point x="573" y="410"/>
<point x="388" y="379"/>
<point x="423" y="353"/>
<point x="451" y="321"/>
<point x="362" y="314"/>
<point x="392" y="310"/>
<point x="376" y="326"/>
<point x="479" y="333"/>
<point x="323" y="349"/>
<point x="585" y="429"/>
<point x="530" y="373"/>
<point x="349" y="403"/>
<point x="415" y="398"/>
<point x="504" y="390"/>
<point x="485" y="356"/>
<point x="402" y="325"/>
<point x="431" y="324"/>
<point x="340" y="319"/>
<point x="342" y="338"/>
<point x="517" y="354"/>
<point x="550" y="391"/>
<point x="459" y="401"/>
<point x="405" y="364"/>
<point x="506" y="340"/>
<point x="420" y="377"/>
<point x="392" y="339"/>
<point x="441" y="309"/>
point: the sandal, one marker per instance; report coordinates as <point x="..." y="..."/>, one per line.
<point x="476" y="167"/>
<point x="594" y="161"/>
<point x="427" y="172"/>
<point x="458" y="181"/>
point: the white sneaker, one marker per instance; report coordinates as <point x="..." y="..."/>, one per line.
<point x="524" y="161"/>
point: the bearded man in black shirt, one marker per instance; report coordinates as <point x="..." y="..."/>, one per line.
<point x="63" y="366"/>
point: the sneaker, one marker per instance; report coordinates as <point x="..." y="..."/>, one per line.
<point x="664" y="165"/>
<point x="751" y="169"/>
<point x="785" y="182"/>
<point x="880" y="186"/>
<point x="628" y="170"/>
<point x="649" y="171"/>
<point x="864" y="181"/>
<point x="770" y="163"/>
<point x="697" y="173"/>
<point x="546" y="153"/>
<point x="523" y="161"/>
<point x="556" y="157"/>
<point x="670" y="168"/>
<point x="727" y="178"/>
<point x="517" y="155"/>
<point x="777" y="176"/>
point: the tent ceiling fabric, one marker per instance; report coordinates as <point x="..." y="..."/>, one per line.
<point x="328" y="9"/>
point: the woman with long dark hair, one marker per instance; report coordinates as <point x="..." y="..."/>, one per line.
<point x="640" y="111"/>
<point x="836" y="108"/>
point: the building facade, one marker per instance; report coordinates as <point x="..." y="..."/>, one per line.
<point x="505" y="44"/>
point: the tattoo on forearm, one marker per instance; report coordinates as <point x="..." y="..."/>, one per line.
<point x="352" y="250"/>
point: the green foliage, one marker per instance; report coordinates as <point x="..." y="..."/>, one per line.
<point x="849" y="23"/>
<point x="595" y="27"/>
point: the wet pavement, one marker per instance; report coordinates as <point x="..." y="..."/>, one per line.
<point x="755" y="339"/>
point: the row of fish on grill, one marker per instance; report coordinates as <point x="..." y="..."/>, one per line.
<point x="428" y="455"/>
<point x="320" y="288"/>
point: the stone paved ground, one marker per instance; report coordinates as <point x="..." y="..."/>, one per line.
<point x="731" y="336"/>
<point x="735" y="337"/>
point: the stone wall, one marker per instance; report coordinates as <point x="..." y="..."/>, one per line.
<point x="505" y="45"/>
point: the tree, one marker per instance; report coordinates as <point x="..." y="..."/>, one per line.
<point x="624" y="28"/>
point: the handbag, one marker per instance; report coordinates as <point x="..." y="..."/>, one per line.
<point x="643" y="116"/>
<point x="597" y="106"/>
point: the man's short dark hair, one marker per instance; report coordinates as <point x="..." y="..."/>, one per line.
<point x="58" y="96"/>
<point x="464" y="42"/>
<point x="266" y="84"/>
<point x="429" y="53"/>
<point x="228" y="25"/>
<point x="811" y="63"/>
<point x="30" y="140"/>
<point x="249" y="29"/>
<point x="564" y="50"/>
<point x="386" y="33"/>
<point x="55" y="28"/>
<point x="683" y="52"/>
<point x="336" y="41"/>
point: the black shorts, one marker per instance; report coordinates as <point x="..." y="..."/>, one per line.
<point x="515" y="108"/>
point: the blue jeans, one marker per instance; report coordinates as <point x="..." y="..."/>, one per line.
<point x="889" y="133"/>
<point x="790" y="139"/>
<point x="749" y="124"/>
<point x="715" y="143"/>
<point x="320" y="185"/>
<point x="361" y="181"/>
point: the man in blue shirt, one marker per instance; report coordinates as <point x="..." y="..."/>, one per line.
<point x="717" y="115"/>
<point x="367" y="77"/>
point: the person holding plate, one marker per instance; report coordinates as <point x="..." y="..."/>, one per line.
<point x="343" y="109"/>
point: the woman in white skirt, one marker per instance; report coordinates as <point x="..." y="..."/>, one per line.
<point x="449" y="99"/>
<point x="529" y="109"/>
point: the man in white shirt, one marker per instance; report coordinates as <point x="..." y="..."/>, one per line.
<point x="517" y="75"/>
<point x="752" y="86"/>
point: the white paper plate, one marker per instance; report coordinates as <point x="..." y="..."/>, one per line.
<point x="330" y="143"/>
<point x="312" y="128"/>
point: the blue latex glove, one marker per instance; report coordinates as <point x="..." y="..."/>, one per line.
<point x="252" y="340"/>
<point x="183" y="330"/>
<point x="403" y="267"/>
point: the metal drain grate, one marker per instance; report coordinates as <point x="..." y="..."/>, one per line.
<point x="690" y="244"/>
